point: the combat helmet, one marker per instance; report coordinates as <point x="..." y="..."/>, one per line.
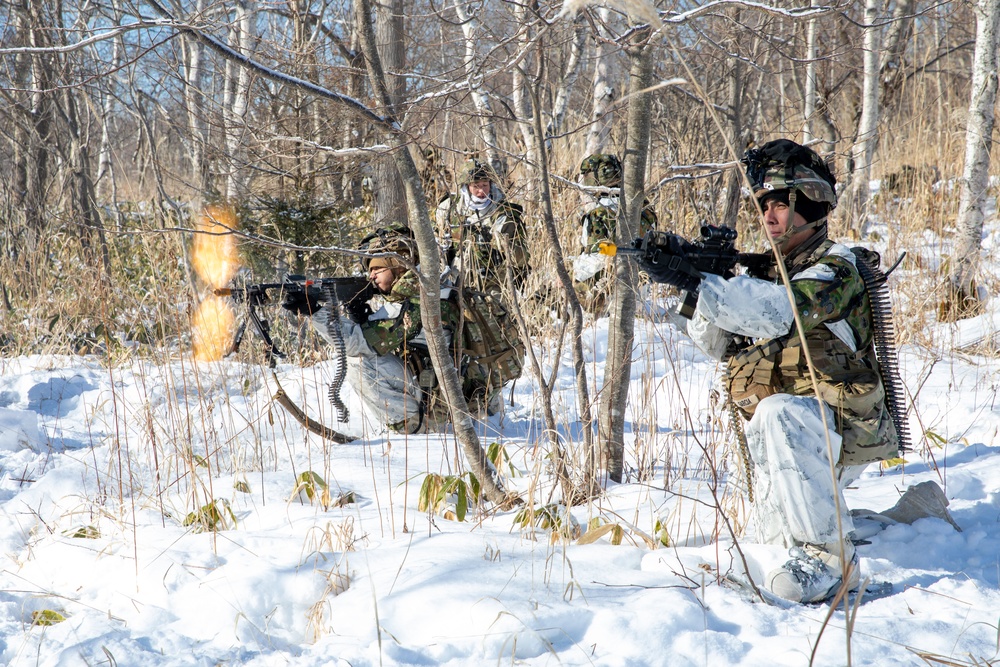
<point x="785" y="165"/>
<point x="397" y="239"/>
<point x="602" y="169"/>
<point x="475" y="170"/>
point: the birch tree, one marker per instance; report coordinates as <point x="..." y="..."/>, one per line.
<point x="236" y="101"/>
<point x="471" y="30"/>
<point x="867" y="136"/>
<point x="618" y="364"/>
<point x="602" y="88"/>
<point x="961" y="299"/>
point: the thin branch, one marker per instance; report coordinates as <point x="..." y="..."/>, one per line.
<point x="231" y="54"/>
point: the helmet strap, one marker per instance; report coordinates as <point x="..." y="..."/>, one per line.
<point x="792" y="229"/>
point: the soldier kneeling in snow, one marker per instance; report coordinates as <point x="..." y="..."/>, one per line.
<point x="387" y="360"/>
<point x="749" y="323"/>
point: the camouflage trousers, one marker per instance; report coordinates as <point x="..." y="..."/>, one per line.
<point x="387" y="389"/>
<point x="795" y="499"/>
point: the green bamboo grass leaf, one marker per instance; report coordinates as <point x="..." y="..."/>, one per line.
<point x="46" y="617"/>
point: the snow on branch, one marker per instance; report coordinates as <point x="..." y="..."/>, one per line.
<point x="337" y="152"/>
<point x="786" y="12"/>
<point x="640" y="9"/>
<point x="84" y="43"/>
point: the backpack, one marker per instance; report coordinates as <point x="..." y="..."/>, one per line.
<point x="490" y="344"/>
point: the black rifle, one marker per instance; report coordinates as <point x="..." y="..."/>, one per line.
<point x="351" y="293"/>
<point x="674" y="260"/>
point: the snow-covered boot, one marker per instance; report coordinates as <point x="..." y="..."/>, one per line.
<point x="812" y="574"/>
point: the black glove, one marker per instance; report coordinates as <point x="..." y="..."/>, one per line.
<point x="665" y="262"/>
<point x="301" y="302"/>
<point x="357" y="311"/>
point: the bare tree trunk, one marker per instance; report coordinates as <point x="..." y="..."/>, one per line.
<point x="430" y="280"/>
<point x="588" y="486"/>
<point x="471" y="29"/>
<point x="867" y="137"/>
<point x="351" y="179"/>
<point x="236" y="102"/>
<point x="523" y="108"/>
<point x="83" y="202"/>
<point x="31" y="169"/>
<point x="106" y="183"/>
<point x="736" y="86"/>
<point x="570" y="74"/>
<point x="962" y="300"/>
<point x="194" y="90"/>
<point x="810" y="92"/>
<point x="890" y="69"/>
<point x="603" y="89"/>
<point x="390" y="204"/>
<point x="618" y="364"/>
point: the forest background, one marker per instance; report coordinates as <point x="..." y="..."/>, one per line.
<point x="309" y="123"/>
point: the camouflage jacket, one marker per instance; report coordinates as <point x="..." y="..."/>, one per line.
<point x="600" y="224"/>
<point x="836" y="315"/>
<point x="480" y="244"/>
<point x="391" y="335"/>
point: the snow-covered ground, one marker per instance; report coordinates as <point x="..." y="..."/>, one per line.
<point x="102" y="464"/>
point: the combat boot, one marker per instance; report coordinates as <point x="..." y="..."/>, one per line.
<point x="813" y="574"/>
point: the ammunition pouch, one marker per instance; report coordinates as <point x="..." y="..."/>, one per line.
<point x="863" y="419"/>
<point x="752" y="376"/>
<point x="490" y="342"/>
<point x="852" y="389"/>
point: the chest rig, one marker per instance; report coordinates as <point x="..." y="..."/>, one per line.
<point x="848" y="381"/>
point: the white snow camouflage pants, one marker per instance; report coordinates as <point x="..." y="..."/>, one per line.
<point x="795" y="499"/>
<point x="386" y="387"/>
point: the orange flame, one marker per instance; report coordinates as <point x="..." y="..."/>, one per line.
<point x="214" y="259"/>
<point x="213" y="253"/>
<point x="213" y="329"/>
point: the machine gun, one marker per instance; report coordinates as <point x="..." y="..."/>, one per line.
<point x="350" y="293"/>
<point x="672" y="259"/>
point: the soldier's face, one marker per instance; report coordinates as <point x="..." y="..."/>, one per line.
<point x="777" y="220"/>
<point x="479" y="189"/>
<point x="382" y="277"/>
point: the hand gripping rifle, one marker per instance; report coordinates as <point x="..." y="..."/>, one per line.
<point x="671" y="259"/>
<point x="349" y="295"/>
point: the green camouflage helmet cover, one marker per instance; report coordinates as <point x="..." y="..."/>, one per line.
<point x="475" y="170"/>
<point x="397" y="239"/>
<point x="785" y="165"/>
<point x="601" y="169"/>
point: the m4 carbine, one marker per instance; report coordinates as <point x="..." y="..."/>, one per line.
<point x="672" y="259"/>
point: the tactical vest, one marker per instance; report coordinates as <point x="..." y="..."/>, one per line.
<point x="849" y="382"/>
<point x="491" y="354"/>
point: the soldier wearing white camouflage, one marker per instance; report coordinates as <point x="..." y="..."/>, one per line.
<point x="386" y="352"/>
<point x="749" y="323"/>
<point x="482" y="232"/>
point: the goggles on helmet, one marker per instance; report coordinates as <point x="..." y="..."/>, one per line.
<point x="767" y="174"/>
<point x="387" y="239"/>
